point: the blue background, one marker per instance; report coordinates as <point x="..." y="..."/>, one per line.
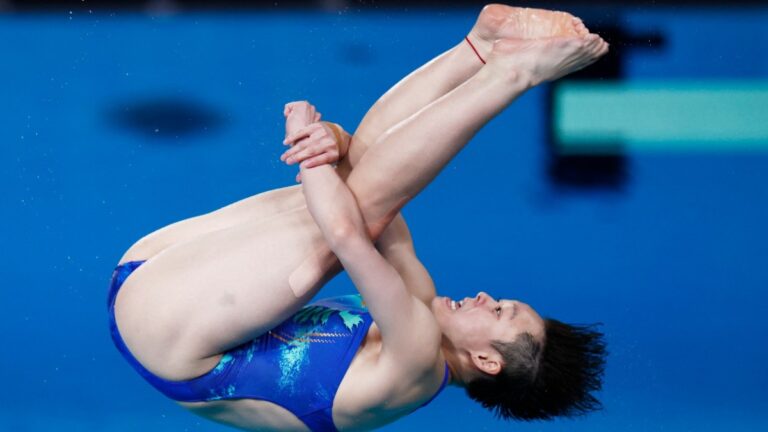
<point x="674" y="265"/>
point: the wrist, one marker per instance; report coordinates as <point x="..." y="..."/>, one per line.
<point x="341" y="144"/>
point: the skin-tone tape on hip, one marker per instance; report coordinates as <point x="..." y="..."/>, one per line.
<point x="310" y="274"/>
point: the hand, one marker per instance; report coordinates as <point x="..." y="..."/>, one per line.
<point x="298" y="115"/>
<point x="312" y="145"/>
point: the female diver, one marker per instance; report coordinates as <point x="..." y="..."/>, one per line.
<point x="215" y="315"/>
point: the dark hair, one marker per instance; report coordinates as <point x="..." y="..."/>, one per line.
<point x="539" y="383"/>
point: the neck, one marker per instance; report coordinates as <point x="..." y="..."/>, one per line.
<point x="455" y="364"/>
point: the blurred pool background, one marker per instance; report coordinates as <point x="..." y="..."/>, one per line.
<point x="118" y="121"/>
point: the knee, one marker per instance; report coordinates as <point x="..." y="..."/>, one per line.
<point x="396" y="236"/>
<point x="379" y="218"/>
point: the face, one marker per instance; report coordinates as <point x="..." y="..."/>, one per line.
<point x="472" y="323"/>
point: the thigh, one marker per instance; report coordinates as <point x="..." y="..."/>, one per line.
<point x="254" y="208"/>
<point x="207" y="295"/>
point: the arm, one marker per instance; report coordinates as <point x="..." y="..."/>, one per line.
<point x="395" y="310"/>
<point x="395" y="243"/>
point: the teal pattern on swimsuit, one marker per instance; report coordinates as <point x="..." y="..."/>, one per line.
<point x="226" y="358"/>
<point x="320" y="314"/>
<point x="310" y="322"/>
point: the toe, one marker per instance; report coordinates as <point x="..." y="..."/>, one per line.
<point x="590" y="40"/>
<point x="582" y="28"/>
<point x="604" y="48"/>
<point x="599" y="48"/>
<point x="578" y="23"/>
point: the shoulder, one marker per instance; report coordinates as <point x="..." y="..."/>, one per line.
<point x="380" y="388"/>
<point x="418" y="350"/>
<point x="411" y="386"/>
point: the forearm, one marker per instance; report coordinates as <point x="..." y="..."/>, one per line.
<point x="332" y="205"/>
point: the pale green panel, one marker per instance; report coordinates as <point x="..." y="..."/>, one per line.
<point x="662" y="115"/>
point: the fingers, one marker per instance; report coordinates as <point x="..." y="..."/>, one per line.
<point x="289" y="155"/>
<point x="325" y="158"/>
<point x="302" y="152"/>
<point x="298" y="154"/>
<point x="318" y="142"/>
<point x="302" y="133"/>
<point x="302" y="155"/>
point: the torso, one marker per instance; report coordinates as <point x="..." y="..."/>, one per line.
<point x="355" y="406"/>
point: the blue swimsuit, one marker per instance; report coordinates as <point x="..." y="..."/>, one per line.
<point x="298" y="365"/>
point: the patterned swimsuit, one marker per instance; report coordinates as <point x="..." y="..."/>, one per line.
<point x="298" y="365"/>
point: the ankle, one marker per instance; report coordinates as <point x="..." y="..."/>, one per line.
<point x="516" y="78"/>
<point x="472" y="46"/>
<point x="478" y="44"/>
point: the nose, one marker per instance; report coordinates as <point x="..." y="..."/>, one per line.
<point x="482" y="298"/>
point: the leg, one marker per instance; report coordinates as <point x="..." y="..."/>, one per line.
<point x="422" y="86"/>
<point x="448" y="70"/>
<point x="405" y="159"/>
<point x="261" y="206"/>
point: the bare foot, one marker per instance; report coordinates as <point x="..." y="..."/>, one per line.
<point x="546" y="59"/>
<point x="498" y="21"/>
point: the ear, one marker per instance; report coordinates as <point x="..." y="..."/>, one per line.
<point x="488" y="363"/>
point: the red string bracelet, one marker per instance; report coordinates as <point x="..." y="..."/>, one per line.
<point x="474" y="49"/>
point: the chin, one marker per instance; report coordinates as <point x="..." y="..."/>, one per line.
<point x="435" y="306"/>
<point x="434" y="301"/>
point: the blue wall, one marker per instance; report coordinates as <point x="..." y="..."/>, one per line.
<point x="674" y="266"/>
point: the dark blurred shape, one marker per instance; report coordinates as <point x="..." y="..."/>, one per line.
<point x="589" y="171"/>
<point x="607" y="169"/>
<point x="333" y="5"/>
<point x="345" y="4"/>
<point x="163" y="7"/>
<point x="166" y="117"/>
<point x="152" y="5"/>
<point x="356" y="53"/>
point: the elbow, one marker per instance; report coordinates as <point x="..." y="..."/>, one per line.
<point x="341" y="234"/>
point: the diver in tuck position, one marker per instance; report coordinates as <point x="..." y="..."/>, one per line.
<point x="215" y="315"/>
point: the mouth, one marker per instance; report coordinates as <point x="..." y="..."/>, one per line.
<point x="453" y="304"/>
